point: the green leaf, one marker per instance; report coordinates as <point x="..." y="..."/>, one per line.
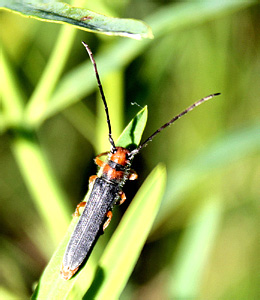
<point x="51" y="285"/>
<point x="133" y="132"/>
<point x="62" y="13"/>
<point x="194" y="251"/>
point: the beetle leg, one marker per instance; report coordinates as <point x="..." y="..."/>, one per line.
<point x="109" y="216"/>
<point x="123" y="198"/>
<point x="81" y="204"/>
<point x="98" y="161"/>
<point x="133" y="175"/>
<point x="92" y="178"/>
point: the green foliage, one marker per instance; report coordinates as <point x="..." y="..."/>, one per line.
<point x="132" y="134"/>
<point x="203" y="243"/>
<point x="81" y="18"/>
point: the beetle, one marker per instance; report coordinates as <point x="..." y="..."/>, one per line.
<point x="106" y="190"/>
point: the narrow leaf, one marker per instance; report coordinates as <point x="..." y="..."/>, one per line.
<point x="62" y="13"/>
<point x="133" y="132"/>
<point x="194" y="251"/>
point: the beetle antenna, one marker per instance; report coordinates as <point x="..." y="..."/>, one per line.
<point x="190" y="108"/>
<point x="102" y="95"/>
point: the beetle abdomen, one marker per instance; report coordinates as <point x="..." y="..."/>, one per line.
<point x="102" y="198"/>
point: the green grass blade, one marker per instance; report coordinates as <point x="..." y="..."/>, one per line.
<point x="48" y="197"/>
<point x="51" y="285"/>
<point x="194" y="251"/>
<point x="124" y="248"/>
<point x="44" y="89"/>
<point x="11" y="93"/>
<point x="81" y="18"/>
<point x="179" y="15"/>
<point x="81" y="117"/>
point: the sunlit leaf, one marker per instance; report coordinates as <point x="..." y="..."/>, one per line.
<point x="59" y="12"/>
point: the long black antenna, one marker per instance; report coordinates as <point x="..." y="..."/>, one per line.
<point x="102" y="96"/>
<point x="144" y="144"/>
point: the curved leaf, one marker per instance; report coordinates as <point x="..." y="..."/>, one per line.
<point x="59" y="12"/>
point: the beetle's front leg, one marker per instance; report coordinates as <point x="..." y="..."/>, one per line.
<point x="98" y="161"/>
<point x="132" y="175"/>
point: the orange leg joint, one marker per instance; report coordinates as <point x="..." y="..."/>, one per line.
<point x="123" y="198"/>
<point x="81" y="204"/>
<point x="92" y="178"/>
<point x="109" y="215"/>
<point x="98" y="161"/>
<point x="132" y="175"/>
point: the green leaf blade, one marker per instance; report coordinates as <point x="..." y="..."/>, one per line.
<point x="195" y="249"/>
<point x="84" y="19"/>
<point x="132" y="134"/>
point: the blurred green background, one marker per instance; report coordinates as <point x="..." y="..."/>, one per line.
<point x="204" y="244"/>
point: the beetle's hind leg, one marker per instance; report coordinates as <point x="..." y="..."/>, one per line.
<point x="109" y="216"/>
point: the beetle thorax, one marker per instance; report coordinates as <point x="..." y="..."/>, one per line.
<point x="117" y="166"/>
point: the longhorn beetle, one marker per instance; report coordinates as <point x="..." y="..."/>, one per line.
<point x="106" y="190"/>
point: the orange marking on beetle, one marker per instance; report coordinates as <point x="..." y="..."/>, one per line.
<point x="112" y="173"/>
<point x="66" y="274"/>
<point x="120" y="156"/>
